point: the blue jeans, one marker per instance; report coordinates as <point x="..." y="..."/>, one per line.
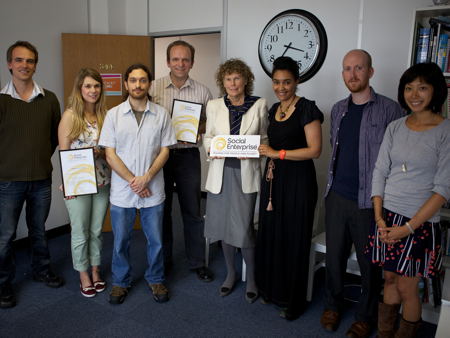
<point x="13" y="194"/>
<point x="122" y="220"/>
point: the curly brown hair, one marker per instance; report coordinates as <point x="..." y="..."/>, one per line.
<point x="235" y="66"/>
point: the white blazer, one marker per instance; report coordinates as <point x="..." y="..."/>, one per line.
<point x="254" y="122"/>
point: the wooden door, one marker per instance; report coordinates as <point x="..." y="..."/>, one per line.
<point x="110" y="55"/>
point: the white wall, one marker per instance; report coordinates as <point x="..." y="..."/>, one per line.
<point x="382" y="27"/>
<point x="178" y="15"/>
<point x="41" y="23"/>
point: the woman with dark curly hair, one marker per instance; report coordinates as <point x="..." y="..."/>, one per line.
<point x="288" y="193"/>
<point x="233" y="183"/>
<point x="411" y="182"/>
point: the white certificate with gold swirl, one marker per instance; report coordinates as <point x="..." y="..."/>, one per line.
<point x="186" y="119"/>
<point x="78" y="171"/>
<point x="235" y="146"/>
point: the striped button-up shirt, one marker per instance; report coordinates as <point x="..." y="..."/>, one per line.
<point x="377" y="114"/>
<point x="163" y="92"/>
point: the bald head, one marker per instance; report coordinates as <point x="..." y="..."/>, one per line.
<point x="360" y="53"/>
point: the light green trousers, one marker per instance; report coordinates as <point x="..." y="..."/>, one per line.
<point x="87" y="214"/>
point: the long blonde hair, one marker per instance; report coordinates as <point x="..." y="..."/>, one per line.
<point x="76" y="103"/>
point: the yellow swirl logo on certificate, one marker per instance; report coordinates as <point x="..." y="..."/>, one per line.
<point x="186" y="119"/>
<point x="78" y="172"/>
<point x="219" y="143"/>
<point x="235" y="146"/>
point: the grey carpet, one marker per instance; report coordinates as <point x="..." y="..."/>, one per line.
<point x="194" y="310"/>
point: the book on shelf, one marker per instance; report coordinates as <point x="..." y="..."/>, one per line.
<point x="445" y="113"/>
<point x="441" y="57"/>
<point x="432" y="43"/>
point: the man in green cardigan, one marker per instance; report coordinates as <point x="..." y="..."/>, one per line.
<point x="29" y="118"/>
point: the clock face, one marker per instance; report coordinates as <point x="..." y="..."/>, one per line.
<point x="297" y="34"/>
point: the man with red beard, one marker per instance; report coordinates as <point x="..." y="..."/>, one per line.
<point x="136" y="135"/>
<point x="357" y="128"/>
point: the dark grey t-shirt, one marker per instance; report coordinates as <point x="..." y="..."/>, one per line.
<point x="138" y="115"/>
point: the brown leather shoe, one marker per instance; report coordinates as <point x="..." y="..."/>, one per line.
<point x="359" y="329"/>
<point x="330" y="320"/>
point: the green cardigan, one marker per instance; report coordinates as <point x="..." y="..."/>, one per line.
<point x="28" y="137"/>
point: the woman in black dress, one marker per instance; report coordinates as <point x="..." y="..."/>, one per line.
<point x="288" y="193"/>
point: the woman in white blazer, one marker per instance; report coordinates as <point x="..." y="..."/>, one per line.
<point x="233" y="183"/>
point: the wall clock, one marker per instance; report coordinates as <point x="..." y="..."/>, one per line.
<point x="298" y="34"/>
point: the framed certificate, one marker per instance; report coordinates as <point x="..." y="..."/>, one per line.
<point x="78" y="172"/>
<point x="186" y="120"/>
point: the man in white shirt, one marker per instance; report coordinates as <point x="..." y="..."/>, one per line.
<point x="183" y="165"/>
<point x="136" y="135"/>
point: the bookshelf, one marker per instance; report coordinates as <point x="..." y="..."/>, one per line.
<point x="421" y="18"/>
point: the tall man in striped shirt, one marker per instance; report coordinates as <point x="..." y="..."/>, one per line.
<point x="183" y="166"/>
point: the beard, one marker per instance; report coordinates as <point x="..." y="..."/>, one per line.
<point x="357" y="86"/>
<point x="138" y="96"/>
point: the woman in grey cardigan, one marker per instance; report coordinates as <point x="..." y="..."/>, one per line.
<point x="411" y="182"/>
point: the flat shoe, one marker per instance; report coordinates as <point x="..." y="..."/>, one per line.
<point x="49" y="278"/>
<point x="88" y="291"/>
<point x="204" y="274"/>
<point x="99" y="286"/>
<point x="225" y="291"/>
<point x="250" y="297"/>
<point x="288" y="315"/>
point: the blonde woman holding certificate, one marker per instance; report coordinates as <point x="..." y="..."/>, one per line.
<point x="233" y="183"/>
<point x="80" y="127"/>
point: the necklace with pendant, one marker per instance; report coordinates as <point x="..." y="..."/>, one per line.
<point x="91" y="122"/>
<point x="404" y="166"/>
<point x="283" y="113"/>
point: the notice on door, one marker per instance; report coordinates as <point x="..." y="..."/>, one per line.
<point x="112" y="84"/>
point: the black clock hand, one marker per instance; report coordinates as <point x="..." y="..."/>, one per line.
<point x="287" y="47"/>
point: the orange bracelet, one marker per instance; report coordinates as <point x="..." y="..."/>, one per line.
<point x="282" y="154"/>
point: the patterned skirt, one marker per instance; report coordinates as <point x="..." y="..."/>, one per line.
<point x="417" y="255"/>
